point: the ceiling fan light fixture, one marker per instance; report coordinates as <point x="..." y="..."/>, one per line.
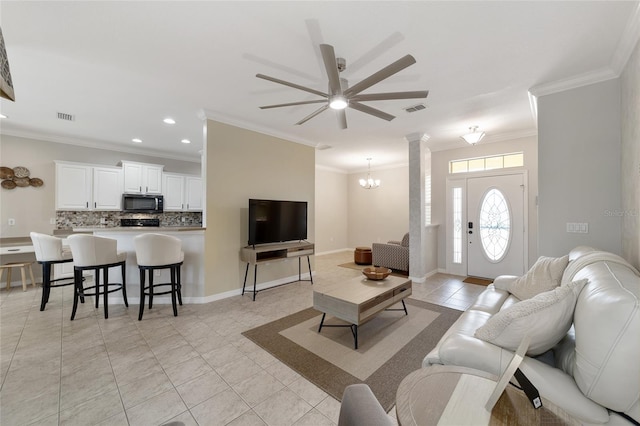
<point x="474" y="137"/>
<point x="338" y="102"/>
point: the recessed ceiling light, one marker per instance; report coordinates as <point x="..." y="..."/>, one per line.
<point x="3" y="116"/>
<point x="136" y="140"/>
<point x="169" y="120"/>
<point x="185" y="141"/>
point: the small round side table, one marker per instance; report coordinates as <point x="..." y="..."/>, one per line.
<point x="362" y="256"/>
<point x="457" y="395"/>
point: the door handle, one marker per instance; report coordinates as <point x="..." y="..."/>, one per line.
<point x="470" y="226"/>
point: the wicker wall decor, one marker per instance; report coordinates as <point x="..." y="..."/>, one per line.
<point x="18" y="177"/>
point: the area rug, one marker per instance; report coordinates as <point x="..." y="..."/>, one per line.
<point x="479" y="281"/>
<point x="390" y="346"/>
<point x="353" y="265"/>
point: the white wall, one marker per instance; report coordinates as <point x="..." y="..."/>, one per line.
<point x="440" y="172"/>
<point x="630" y="169"/>
<point x="243" y="164"/>
<point x="33" y="207"/>
<point x="381" y="214"/>
<point x="579" y="153"/>
<point x="331" y="210"/>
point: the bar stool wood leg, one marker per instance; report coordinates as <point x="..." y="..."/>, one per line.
<point x="142" y="279"/>
<point x="77" y="290"/>
<point x="124" y="286"/>
<point x="46" y="283"/>
<point x="179" y="285"/>
<point x="150" y="288"/>
<point x="105" y="296"/>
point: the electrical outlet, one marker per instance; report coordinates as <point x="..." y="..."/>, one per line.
<point x="578" y="228"/>
<point x="12" y="222"/>
<point x="184" y="219"/>
<point x="52" y="221"/>
<point x="103" y="221"/>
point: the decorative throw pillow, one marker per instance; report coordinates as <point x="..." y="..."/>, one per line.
<point x="544" y="275"/>
<point x="546" y="318"/>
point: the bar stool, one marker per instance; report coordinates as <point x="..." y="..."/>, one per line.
<point x="158" y="251"/>
<point x="96" y="253"/>
<point x="22" y="265"/>
<point x="49" y="251"/>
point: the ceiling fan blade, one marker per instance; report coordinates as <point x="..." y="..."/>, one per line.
<point x="330" y="64"/>
<point x="294" y="103"/>
<point x="390" y="96"/>
<point x="342" y="118"/>
<point x="295" y="86"/>
<point x="313" y="114"/>
<point x="368" y="110"/>
<point x="377" y="77"/>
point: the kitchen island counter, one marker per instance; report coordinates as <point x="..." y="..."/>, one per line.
<point x="138" y="229"/>
<point x="192" y="245"/>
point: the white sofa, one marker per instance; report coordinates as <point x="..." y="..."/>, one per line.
<point x="593" y="373"/>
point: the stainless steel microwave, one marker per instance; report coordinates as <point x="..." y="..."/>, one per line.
<point x="141" y="203"/>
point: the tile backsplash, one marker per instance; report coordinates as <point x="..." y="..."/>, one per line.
<point x="109" y="219"/>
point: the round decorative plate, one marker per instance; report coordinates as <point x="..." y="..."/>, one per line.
<point x="8" y="184"/>
<point x="21" y="172"/>
<point x="21" y="181"/>
<point x="37" y="182"/>
<point x="6" y="173"/>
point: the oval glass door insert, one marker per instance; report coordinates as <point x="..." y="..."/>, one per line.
<point x="495" y="225"/>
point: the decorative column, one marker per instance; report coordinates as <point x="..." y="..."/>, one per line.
<point x="417" y="239"/>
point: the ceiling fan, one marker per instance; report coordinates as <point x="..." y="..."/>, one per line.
<point x="340" y="96"/>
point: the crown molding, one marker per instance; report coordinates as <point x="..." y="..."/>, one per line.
<point x="148" y="152"/>
<point x="627" y="43"/>
<point x="576" y="81"/>
<point x="243" y="124"/>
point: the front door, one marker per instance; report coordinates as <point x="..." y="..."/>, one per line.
<point x="495" y="227"/>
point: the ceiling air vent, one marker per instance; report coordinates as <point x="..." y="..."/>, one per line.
<point x="66" y="117"/>
<point x="415" y="108"/>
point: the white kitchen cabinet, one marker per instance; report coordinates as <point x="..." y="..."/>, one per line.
<point x="107" y="184"/>
<point x="86" y="187"/>
<point x="142" y="178"/>
<point x="73" y="186"/>
<point x="173" y="189"/>
<point x="193" y="193"/>
<point x="182" y="192"/>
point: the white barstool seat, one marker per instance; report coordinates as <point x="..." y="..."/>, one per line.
<point x="49" y="251"/>
<point x="96" y="253"/>
<point x="159" y="251"/>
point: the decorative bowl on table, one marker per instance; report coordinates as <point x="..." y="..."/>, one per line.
<point x="376" y="273"/>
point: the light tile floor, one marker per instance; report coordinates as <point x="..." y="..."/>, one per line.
<point x="196" y="368"/>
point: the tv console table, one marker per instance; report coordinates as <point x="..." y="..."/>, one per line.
<point x="271" y="252"/>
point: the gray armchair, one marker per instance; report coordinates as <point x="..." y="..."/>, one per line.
<point x="393" y="254"/>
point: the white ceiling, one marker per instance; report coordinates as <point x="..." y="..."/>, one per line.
<point x="121" y="67"/>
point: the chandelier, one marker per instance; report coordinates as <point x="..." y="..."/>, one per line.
<point x="369" y="182"/>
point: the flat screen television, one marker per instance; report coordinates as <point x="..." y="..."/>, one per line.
<point x="273" y="221"/>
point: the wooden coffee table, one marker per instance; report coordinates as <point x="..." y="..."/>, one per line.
<point x="457" y="395"/>
<point x="358" y="300"/>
